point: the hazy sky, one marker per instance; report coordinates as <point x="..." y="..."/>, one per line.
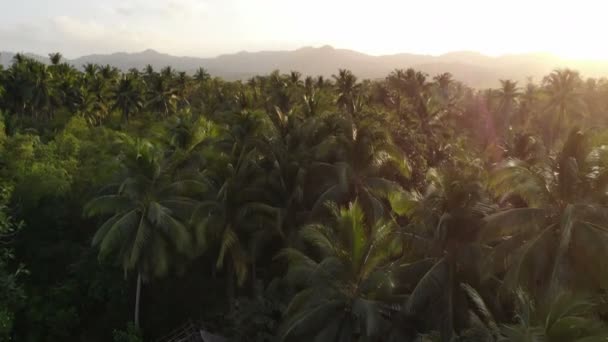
<point x="210" y="27"/>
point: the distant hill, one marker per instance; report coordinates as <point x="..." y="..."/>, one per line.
<point x="472" y="68"/>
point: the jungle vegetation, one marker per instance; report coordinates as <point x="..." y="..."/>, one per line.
<point x="293" y="208"/>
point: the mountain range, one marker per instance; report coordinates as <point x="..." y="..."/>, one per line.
<point x="472" y="68"/>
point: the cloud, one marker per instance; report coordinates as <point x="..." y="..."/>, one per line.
<point x="80" y="30"/>
<point x="164" y="10"/>
<point x="90" y="36"/>
<point x="186" y="9"/>
<point x="125" y="10"/>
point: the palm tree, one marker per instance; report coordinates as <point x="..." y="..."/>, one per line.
<point x="289" y="151"/>
<point x="394" y="87"/>
<point x="90" y="71"/>
<point x="128" y="97"/>
<point x="295" y="79"/>
<point x="146" y="208"/>
<point x="343" y="278"/>
<point x="228" y="213"/>
<point x="277" y="93"/>
<point x="444" y="82"/>
<point x="367" y="166"/>
<point x="149" y="73"/>
<point x="347" y="87"/>
<point x="92" y="107"/>
<point x="201" y="75"/>
<point x="562" y="87"/>
<point x="109" y="73"/>
<point x="557" y="230"/>
<point x="421" y="112"/>
<point x="416" y="89"/>
<point x="507" y="97"/>
<point x="55" y="58"/>
<point x="528" y="106"/>
<point x="167" y="73"/>
<point x="444" y="223"/>
<point x="182" y="87"/>
<point x="43" y="92"/>
<point x="565" y="317"/>
<point x="162" y="96"/>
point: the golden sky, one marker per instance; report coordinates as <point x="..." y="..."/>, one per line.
<point x="572" y="29"/>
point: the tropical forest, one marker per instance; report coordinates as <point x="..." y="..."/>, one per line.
<point x="138" y="204"/>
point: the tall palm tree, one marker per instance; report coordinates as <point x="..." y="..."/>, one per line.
<point x="43" y="92"/>
<point x="228" y="214"/>
<point x="92" y="106"/>
<point x="55" y="58"/>
<point x="565" y="317"/>
<point x="347" y="87"/>
<point x="202" y="75"/>
<point x="183" y="87"/>
<point x="109" y="73"/>
<point x="394" y="87"/>
<point x="146" y="208"/>
<point x="90" y="71"/>
<point x="149" y="73"/>
<point x="557" y="230"/>
<point x="507" y="95"/>
<point x="277" y="93"/>
<point x="162" y="96"/>
<point x="444" y="223"/>
<point x="342" y="278"/>
<point x="528" y="106"/>
<point x="563" y="89"/>
<point x="444" y="82"/>
<point x="128" y="97"/>
<point x="289" y="151"/>
<point x="367" y="166"/>
<point x="295" y="78"/>
<point x="167" y="73"/>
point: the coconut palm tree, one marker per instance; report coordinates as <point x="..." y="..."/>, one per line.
<point x="566" y="317"/>
<point x="367" y="165"/>
<point x="507" y="97"/>
<point x="342" y="278"/>
<point x="230" y="211"/>
<point x="201" y="75"/>
<point x="444" y="82"/>
<point x="563" y="89"/>
<point x="162" y="97"/>
<point x="557" y="230"/>
<point x="528" y="107"/>
<point x="128" y="97"/>
<point x="346" y="87"/>
<point x="55" y="58"/>
<point x="109" y="73"/>
<point x="92" y="107"/>
<point x="90" y="71"/>
<point x="444" y="223"/>
<point x="146" y="209"/>
<point x="43" y="91"/>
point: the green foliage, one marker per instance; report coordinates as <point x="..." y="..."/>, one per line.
<point x="447" y="201"/>
<point x="343" y="278"/>
<point x="12" y="294"/>
<point x="131" y="334"/>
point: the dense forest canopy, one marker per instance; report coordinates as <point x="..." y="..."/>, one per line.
<point x="291" y="208"/>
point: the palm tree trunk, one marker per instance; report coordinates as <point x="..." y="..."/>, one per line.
<point x="230" y="286"/>
<point x="447" y="324"/>
<point x="137" y="299"/>
<point x="253" y="277"/>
